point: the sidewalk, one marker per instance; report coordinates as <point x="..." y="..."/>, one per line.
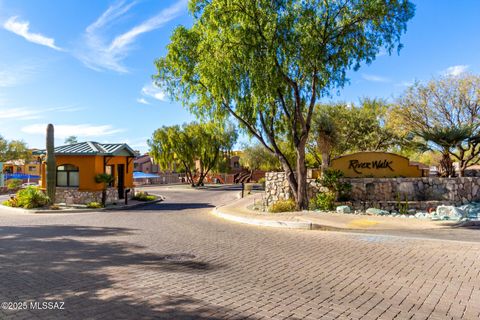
<point x="239" y="211"/>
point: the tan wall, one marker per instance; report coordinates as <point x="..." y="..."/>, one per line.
<point x="375" y="164"/>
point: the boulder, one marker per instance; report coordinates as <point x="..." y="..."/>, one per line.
<point x="453" y="213"/>
<point x="343" y="209"/>
<point x="376" y="211"/>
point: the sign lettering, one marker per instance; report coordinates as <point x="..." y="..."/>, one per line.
<point x="356" y="165"/>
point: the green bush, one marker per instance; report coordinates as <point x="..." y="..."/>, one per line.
<point x="94" y="205"/>
<point x="282" y="206"/>
<point x="28" y="198"/>
<point x="14" y="183"/>
<point x="330" y="179"/>
<point x="323" y="201"/>
<point x="143" y="196"/>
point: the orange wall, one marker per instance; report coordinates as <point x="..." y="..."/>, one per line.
<point x="89" y="166"/>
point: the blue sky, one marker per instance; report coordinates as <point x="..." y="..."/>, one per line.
<point x="86" y="66"/>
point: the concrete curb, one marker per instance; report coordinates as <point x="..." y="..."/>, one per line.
<point x="266" y="223"/>
<point x="86" y="210"/>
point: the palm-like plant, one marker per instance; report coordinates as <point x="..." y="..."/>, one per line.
<point x="446" y="139"/>
<point x="106" y="179"/>
<point x="325" y="133"/>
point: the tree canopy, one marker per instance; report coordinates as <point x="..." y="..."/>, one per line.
<point x="71" y="140"/>
<point x="266" y="63"/>
<point x="197" y="147"/>
<point x="445" y="114"/>
<point x="13" y="150"/>
<point x="340" y="128"/>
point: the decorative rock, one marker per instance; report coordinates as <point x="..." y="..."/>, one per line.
<point x="377" y="211"/>
<point x="450" y="211"/>
<point x="343" y="209"/>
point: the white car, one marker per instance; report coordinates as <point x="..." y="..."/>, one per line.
<point x="27" y="184"/>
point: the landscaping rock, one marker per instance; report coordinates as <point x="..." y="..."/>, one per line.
<point x="453" y="213"/>
<point x="377" y="211"/>
<point x="343" y="209"/>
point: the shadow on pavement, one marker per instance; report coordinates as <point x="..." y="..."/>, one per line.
<point x="75" y="265"/>
<point x="172" y="206"/>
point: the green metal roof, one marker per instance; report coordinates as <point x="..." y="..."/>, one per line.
<point x="92" y="148"/>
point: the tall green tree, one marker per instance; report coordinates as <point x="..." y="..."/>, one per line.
<point x="256" y="157"/>
<point x="71" y="140"/>
<point x="339" y="128"/>
<point x="192" y="145"/>
<point x="13" y="150"/>
<point x="267" y="63"/>
<point x="445" y="114"/>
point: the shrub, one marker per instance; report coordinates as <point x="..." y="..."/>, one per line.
<point x="54" y="207"/>
<point x="323" y="201"/>
<point x="143" y="196"/>
<point x="330" y="179"/>
<point x="28" y="198"/>
<point x="282" y="206"/>
<point x="14" y="183"/>
<point x="94" y="205"/>
<point x="12" y="202"/>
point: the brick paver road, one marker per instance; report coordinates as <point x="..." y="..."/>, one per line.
<point x="174" y="260"/>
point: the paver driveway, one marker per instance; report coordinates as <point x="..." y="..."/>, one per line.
<point x="174" y="260"/>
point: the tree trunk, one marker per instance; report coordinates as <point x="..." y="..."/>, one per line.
<point x="325" y="160"/>
<point x="302" y="195"/>
<point x="446" y="166"/>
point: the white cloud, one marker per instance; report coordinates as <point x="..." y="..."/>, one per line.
<point x="455" y="71"/>
<point x="22" y="28"/>
<point x="375" y="78"/>
<point x="16" y="74"/>
<point x="66" y="130"/>
<point x="29" y="113"/>
<point x="142" y="101"/>
<point x="152" y="91"/>
<point x="100" y="54"/>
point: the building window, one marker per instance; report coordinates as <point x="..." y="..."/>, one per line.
<point x="67" y="176"/>
<point x="32" y="168"/>
<point x="110" y="170"/>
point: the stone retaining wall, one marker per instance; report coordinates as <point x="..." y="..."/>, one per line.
<point x="386" y="193"/>
<point x="74" y="196"/>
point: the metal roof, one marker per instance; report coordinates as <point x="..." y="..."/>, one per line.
<point x="91" y="148"/>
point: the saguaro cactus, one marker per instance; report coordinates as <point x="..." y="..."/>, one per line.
<point x="51" y="176"/>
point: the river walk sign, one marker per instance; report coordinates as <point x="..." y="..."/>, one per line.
<point x="376" y="164"/>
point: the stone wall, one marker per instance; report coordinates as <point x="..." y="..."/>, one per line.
<point x="387" y="192"/>
<point x="74" y="196"/>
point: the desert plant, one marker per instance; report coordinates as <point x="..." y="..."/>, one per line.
<point x="331" y="179"/>
<point x="94" y="205"/>
<point x="51" y="179"/>
<point x="323" y="201"/>
<point x="106" y="179"/>
<point x="28" y="198"/>
<point x="14" y="184"/>
<point x="143" y="196"/>
<point x="282" y="206"/>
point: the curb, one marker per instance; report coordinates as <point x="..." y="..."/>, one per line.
<point x="266" y="223"/>
<point x="86" y="210"/>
